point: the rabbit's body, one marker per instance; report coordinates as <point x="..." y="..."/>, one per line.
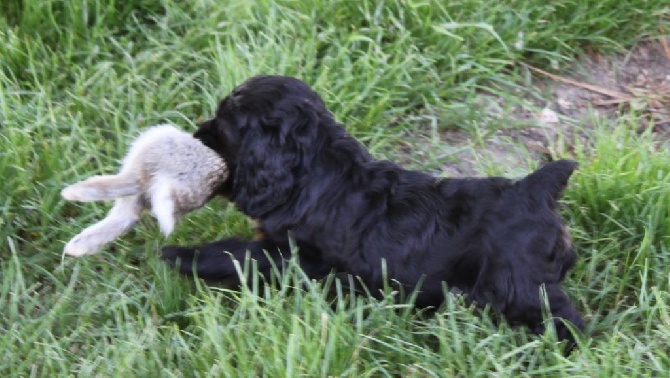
<point x="166" y="170"/>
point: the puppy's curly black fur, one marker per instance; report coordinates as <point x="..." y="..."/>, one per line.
<point x="295" y="169"/>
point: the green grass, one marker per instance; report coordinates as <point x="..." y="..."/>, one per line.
<point x="79" y="78"/>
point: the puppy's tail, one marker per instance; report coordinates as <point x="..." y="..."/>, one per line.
<point x="548" y="182"/>
<point x="101" y="188"/>
<point x="122" y="217"/>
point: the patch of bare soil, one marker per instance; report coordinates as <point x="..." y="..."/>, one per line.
<point x="596" y="86"/>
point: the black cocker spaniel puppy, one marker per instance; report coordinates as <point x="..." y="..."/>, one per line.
<point x="296" y="171"/>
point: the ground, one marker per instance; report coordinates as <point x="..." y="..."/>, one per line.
<point x="561" y="108"/>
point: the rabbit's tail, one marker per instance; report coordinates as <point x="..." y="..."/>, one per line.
<point x="101" y="188"/>
<point x="125" y="213"/>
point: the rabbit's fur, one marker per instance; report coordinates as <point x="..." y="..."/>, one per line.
<point x="166" y="170"/>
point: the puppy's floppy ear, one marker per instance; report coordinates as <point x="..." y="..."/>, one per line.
<point x="276" y="149"/>
<point x="547" y="183"/>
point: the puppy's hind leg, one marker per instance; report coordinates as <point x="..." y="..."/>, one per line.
<point x="528" y="309"/>
<point x="125" y="213"/>
<point x="562" y="310"/>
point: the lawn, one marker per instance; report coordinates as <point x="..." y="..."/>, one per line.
<point x="79" y="79"/>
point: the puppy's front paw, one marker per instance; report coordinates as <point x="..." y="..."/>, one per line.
<point x="176" y="256"/>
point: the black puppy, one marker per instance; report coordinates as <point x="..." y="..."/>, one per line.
<point x="295" y="169"/>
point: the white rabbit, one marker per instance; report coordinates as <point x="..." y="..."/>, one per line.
<point x="166" y="170"/>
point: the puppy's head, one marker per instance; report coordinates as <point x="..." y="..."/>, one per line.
<point x="268" y="130"/>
